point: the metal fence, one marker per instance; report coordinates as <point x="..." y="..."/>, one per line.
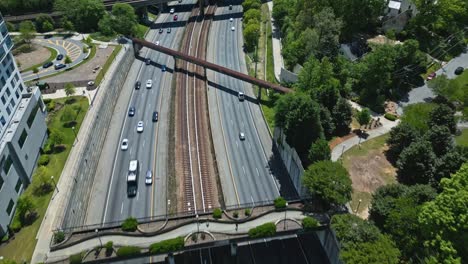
<point x="86" y="169"/>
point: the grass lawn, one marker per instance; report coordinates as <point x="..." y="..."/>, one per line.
<point x="141" y="30"/>
<point x="106" y="66"/>
<point x="270" y="67"/>
<point x="101" y="37"/>
<point x="462" y="140"/>
<point x="417" y="115"/>
<point x="368" y="169"/>
<point x="53" y="55"/>
<point x="22" y="246"/>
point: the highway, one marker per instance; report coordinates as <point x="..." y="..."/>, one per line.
<point x="246" y="177"/>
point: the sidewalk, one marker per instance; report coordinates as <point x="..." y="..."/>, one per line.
<point x="60" y="93"/>
<point x="276" y="39"/>
<point x="224" y="228"/>
<point x="57" y="206"/>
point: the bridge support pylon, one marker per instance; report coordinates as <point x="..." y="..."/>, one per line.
<point x="201" y="5"/>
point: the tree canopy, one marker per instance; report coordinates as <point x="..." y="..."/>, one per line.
<point x="84" y="15"/>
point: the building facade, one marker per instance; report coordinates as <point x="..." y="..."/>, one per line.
<point x="23" y="130"/>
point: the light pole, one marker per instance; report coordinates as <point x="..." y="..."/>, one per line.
<point x="285" y="211"/>
<point x="74" y="132"/>
<point x="359" y="203"/>
<point x="97" y="233"/>
<point x="55" y="184"/>
<point x="89" y="96"/>
<point x="198" y="225"/>
<point x="342" y="151"/>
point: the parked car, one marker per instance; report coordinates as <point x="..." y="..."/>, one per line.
<point x="231" y="19"/>
<point x="431" y="76"/>
<point x="149" y="177"/>
<point x="131" y="111"/>
<point x="47" y="64"/>
<point x="60" y="57"/>
<point x="140" y="126"/>
<point x="137" y="85"/>
<point x="124" y="145"/>
<point x="459" y="70"/>
<point x="59" y="66"/>
<point x="149" y="84"/>
<point x="155" y="116"/>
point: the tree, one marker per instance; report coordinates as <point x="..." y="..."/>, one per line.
<point x="299" y="117"/>
<point x="327" y="122"/>
<point x="328" y="28"/>
<point x="443" y="115"/>
<point x="124" y="19"/>
<point x="450" y="162"/>
<point x="444" y="219"/>
<point x="68" y="60"/>
<point x="43" y="183"/>
<point x="68" y="114"/>
<point x="26" y="209"/>
<point x="416" y="163"/>
<point x="319" y="150"/>
<point x="105" y="25"/>
<point x="342" y="116"/>
<point x="251" y="4"/>
<point x="363" y="117"/>
<point x="400" y="137"/>
<point x="280" y="11"/>
<point x="27" y="31"/>
<point x="383" y="201"/>
<point x="84" y="15"/>
<point x="44" y="23"/>
<point x="56" y="137"/>
<point x="67" y="25"/>
<point x="47" y="26"/>
<point x="441" y="140"/>
<point x="329" y="182"/>
<point x="69" y="89"/>
<point x="35" y="70"/>
<point x="252" y="14"/>
<point x="10" y="26"/>
<point x="250" y="33"/>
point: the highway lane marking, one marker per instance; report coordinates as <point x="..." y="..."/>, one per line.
<point x="237" y="144"/>
<point x="131" y="150"/>
<point x="138" y="195"/>
<point x="243" y="168"/>
<point x="121" y="208"/>
<point x="258" y="173"/>
<point x="143" y="143"/>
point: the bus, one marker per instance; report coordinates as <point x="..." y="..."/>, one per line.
<point x="132" y="178"/>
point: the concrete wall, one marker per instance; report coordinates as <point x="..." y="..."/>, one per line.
<point x="287" y="76"/>
<point x="291" y="160"/>
<point x="330" y="245"/>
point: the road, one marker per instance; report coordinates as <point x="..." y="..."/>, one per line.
<point x="149" y="147"/>
<point x="244" y="165"/>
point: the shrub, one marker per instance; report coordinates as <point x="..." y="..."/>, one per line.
<point x="265" y="230"/>
<point x="109" y="248"/>
<point x="76" y="258"/>
<point x="390" y="117"/>
<point x="203" y="236"/>
<point x="16" y="225"/>
<point x="235" y="214"/>
<point x="194" y="238"/>
<point x="43" y="160"/>
<point x="247" y="212"/>
<point x="35" y="70"/>
<point x="59" y="237"/>
<point x="130" y="224"/>
<point x="128" y="251"/>
<point x="280" y="203"/>
<point x="217" y="213"/>
<point x="85" y="49"/>
<point x="309" y="223"/>
<point x="47" y="101"/>
<point x="167" y="245"/>
<point x="51" y="106"/>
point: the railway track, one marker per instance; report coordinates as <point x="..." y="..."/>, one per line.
<point x="193" y="139"/>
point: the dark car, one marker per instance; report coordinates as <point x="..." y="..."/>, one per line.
<point x="137" y="85"/>
<point x="230" y="7"/>
<point x="47" y="64"/>
<point x="59" y="66"/>
<point x="163" y="68"/>
<point x="131" y="111"/>
<point x="59" y="57"/>
<point x="155" y="116"/>
<point x="148" y="61"/>
<point x="459" y="70"/>
<point x="161" y="30"/>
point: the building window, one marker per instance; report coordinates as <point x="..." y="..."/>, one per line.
<point x="10" y="207"/>
<point x="16" y="94"/>
<point x="8" y="92"/>
<point x="32" y="116"/>
<point x="21" y="87"/>
<point x="3" y="99"/>
<point x="8" y="110"/>
<point x="7" y="165"/>
<point x="12" y="103"/>
<point x="22" y="138"/>
<point x="2" y="120"/>
<point x="16" y="77"/>
<point x="18" y="185"/>
<point x="8" y="42"/>
<point x="2" y="82"/>
<point x="4" y="30"/>
<point x="1" y="182"/>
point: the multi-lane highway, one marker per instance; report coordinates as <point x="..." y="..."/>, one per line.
<point x="245" y="175"/>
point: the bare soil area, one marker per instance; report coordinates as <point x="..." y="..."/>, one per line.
<point x="39" y="55"/>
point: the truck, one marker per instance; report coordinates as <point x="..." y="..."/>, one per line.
<point x="132" y="178"/>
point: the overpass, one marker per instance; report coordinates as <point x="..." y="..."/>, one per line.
<point x="138" y="44"/>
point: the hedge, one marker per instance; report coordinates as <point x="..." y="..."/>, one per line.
<point x="59" y="237"/>
<point x="76" y="258"/>
<point x="309" y="223"/>
<point x="168" y="245"/>
<point x="247" y="212"/>
<point x="43" y="160"/>
<point x="265" y="230"/>
<point x="217" y="213"/>
<point x="130" y="224"/>
<point x="391" y="117"/>
<point x="280" y="203"/>
<point x="128" y="251"/>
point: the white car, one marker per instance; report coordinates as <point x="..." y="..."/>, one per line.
<point x="124" y="145"/>
<point x="233" y="28"/>
<point x="140" y="126"/>
<point x="157" y="42"/>
<point x="241" y="96"/>
<point x="149" y="177"/>
<point x="149" y="84"/>
<point x="231" y="19"/>
<point x="172" y="11"/>
<point x="241" y="136"/>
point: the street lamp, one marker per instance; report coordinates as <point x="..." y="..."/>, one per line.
<point x="74" y="132"/>
<point x="97" y="233"/>
<point x="198" y="225"/>
<point x="359" y="203"/>
<point x="285" y="211"/>
<point x="89" y="96"/>
<point x="55" y="184"/>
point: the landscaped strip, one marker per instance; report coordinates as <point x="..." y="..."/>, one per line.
<point x="53" y="55"/>
<point x="22" y="246"/>
<point x="106" y="66"/>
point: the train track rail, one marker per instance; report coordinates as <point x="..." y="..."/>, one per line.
<point x="192" y="124"/>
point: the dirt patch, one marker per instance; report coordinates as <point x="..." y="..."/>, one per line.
<point x="39" y="55"/>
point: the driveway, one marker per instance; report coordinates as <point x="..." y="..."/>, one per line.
<point x="424" y="93"/>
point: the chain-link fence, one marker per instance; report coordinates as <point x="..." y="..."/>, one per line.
<point x="93" y="144"/>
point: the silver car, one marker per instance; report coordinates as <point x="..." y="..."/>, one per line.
<point x="149" y="177"/>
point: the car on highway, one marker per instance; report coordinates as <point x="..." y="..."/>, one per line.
<point x="131" y="111"/>
<point x="163" y="68"/>
<point x="60" y="57"/>
<point x="168" y="30"/>
<point x="155" y="116"/>
<point x="47" y="64"/>
<point x="149" y="177"/>
<point x="233" y="28"/>
<point x="59" y="66"/>
<point x="124" y="145"/>
<point x="230" y="7"/>
<point x="231" y="19"/>
<point x="140" y="126"/>
<point x="149" y="84"/>
<point x="172" y="11"/>
<point x="157" y="42"/>
<point x="431" y="76"/>
<point x="176" y="17"/>
<point x="459" y="70"/>
<point x="241" y="136"/>
<point x="180" y="1"/>
<point x="137" y="85"/>
<point x="161" y="30"/>
<point x="147" y="61"/>
<point x="241" y="96"/>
